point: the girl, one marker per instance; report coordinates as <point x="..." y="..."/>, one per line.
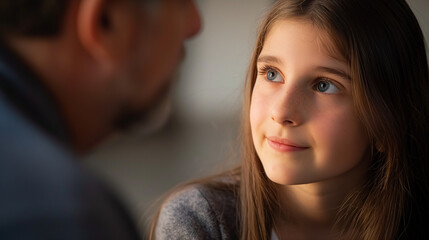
<point x="335" y="132"/>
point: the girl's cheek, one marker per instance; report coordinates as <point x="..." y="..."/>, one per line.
<point x="258" y="109"/>
<point x="339" y="132"/>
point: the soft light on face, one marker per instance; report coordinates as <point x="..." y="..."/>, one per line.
<point x="155" y="50"/>
<point x="302" y="118"/>
<point x="158" y="49"/>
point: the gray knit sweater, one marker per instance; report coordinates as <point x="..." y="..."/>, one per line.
<point x="198" y="212"/>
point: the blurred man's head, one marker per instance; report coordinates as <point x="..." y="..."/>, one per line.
<point x="103" y="60"/>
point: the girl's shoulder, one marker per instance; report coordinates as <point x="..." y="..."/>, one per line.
<point x="203" y="210"/>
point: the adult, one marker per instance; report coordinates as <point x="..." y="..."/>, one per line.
<point x="71" y="73"/>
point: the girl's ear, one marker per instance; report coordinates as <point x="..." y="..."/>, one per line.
<point x="104" y="29"/>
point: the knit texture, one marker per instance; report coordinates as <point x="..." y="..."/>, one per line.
<point x="199" y="212"/>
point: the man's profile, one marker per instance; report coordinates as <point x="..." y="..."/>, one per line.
<point x="71" y="73"/>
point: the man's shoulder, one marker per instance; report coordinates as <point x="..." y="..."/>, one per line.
<point x="27" y="150"/>
<point x="32" y="165"/>
<point x="203" y="210"/>
<point x="45" y="194"/>
<point x="17" y="130"/>
<point x="37" y="177"/>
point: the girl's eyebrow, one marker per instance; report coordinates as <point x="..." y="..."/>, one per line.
<point x="269" y="59"/>
<point x="334" y="71"/>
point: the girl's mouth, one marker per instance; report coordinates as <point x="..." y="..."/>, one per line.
<point x="284" y="145"/>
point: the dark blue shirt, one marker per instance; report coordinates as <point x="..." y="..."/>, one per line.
<point x="44" y="193"/>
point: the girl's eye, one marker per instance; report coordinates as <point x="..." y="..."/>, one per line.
<point x="326" y="87"/>
<point x="274" y="76"/>
<point x="271" y="74"/>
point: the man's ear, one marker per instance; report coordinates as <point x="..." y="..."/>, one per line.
<point x="103" y="29"/>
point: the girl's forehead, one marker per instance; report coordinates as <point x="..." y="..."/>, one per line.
<point x="299" y="32"/>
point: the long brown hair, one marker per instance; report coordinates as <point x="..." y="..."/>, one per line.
<point x="384" y="47"/>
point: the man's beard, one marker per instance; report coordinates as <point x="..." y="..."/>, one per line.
<point x="148" y="120"/>
<point x="153" y="117"/>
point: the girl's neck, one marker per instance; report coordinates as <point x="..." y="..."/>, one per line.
<point x="309" y="204"/>
<point x="311" y="209"/>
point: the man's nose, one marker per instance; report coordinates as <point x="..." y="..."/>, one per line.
<point x="193" y="24"/>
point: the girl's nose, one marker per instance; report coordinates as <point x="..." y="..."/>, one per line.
<point x="287" y="106"/>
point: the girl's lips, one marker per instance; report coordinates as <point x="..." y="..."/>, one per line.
<point x="284" y="145"/>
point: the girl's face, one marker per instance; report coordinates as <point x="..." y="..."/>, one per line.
<point x="303" y="122"/>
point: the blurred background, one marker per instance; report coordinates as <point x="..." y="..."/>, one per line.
<point x="199" y="138"/>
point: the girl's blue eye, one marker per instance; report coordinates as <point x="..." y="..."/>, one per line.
<point x="326" y="87"/>
<point x="272" y="76"/>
